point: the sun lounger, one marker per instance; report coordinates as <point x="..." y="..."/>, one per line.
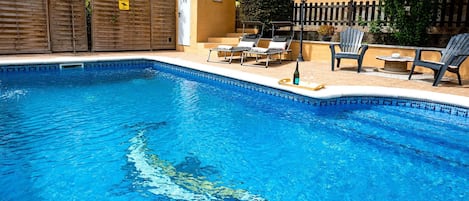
<point x="277" y="46"/>
<point x="246" y="43"/>
<point x="280" y="44"/>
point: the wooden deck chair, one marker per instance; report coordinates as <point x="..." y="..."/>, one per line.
<point x="456" y="51"/>
<point x="246" y="43"/>
<point x="351" y="47"/>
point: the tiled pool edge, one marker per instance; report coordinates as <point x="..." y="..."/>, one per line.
<point x="332" y="95"/>
<point x="356" y="99"/>
<point x="329" y="92"/>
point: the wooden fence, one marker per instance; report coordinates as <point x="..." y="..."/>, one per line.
<point x="43" y="26"/>
<point x="447" y="13"/>
<point x="148" y="25"/>
<point x="24" y="26"/>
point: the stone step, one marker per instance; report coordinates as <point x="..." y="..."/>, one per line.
<point x="247" y="30"/>
<point x="234" y="35"/>
<point x="213" y="45"/>
<point x="224" y="40"/>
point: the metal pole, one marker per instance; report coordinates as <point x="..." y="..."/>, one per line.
<point x="300" y="54"/>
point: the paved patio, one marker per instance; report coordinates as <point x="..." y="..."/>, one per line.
<point x="317" y="72"/>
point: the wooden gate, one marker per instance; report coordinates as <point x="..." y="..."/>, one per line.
<point x="148" y="24"/>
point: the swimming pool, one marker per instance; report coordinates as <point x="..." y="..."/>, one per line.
<point x="144" y="130"/>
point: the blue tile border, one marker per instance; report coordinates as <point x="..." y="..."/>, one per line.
<point x="92" y="65"/>
<point x="347" y="100"/>
<point x="29" y="68"/>
<point x="118" y="64"/>
<point x="186" y="72"/>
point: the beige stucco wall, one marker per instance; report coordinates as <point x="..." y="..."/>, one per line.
<point x="320" y="52"/>
<point x="215" y="18"/>
<point x="210" y="18"/>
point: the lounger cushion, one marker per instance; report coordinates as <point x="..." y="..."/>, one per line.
<point x="259" y="49"/>
<point x="225" y="47"/>
<point x="277" y="45"/>
<point x="245" y="44"/>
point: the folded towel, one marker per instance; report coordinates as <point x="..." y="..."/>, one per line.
<point x="259" y="49"/>
<point x="277" y="45"/>
<point x="227" y="47"/>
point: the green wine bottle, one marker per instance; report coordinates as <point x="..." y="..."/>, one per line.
<point x="296" y="75"/>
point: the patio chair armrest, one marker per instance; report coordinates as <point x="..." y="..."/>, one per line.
<point x="363" y="49"/>
<point x="332" y="46"/>
<point x="418" y="52"/>
<point x="440" y="50"/>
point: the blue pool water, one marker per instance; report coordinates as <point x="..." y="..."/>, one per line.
<point x="146" y="134"/>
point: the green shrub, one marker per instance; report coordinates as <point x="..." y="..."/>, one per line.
<point x="409" y="19"/>
<point x="266" y="11"/>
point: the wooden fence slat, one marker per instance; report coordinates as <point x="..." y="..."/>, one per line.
<point x="443" y="13"/>
<point x="373" y="11"/>
<point x="451" y="13"/>
<point x="434" y="13"/>
<point x="344" y="13"/>
<point x="466" y="24"/>
<point x="459" y="13"/>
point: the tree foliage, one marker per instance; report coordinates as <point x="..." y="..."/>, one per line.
<point x="266" y="11"/>
<point x="410" y="20"/>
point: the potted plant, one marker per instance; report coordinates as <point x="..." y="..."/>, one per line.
<point x="326" y="32"/>
<point x="375" y="30"/>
